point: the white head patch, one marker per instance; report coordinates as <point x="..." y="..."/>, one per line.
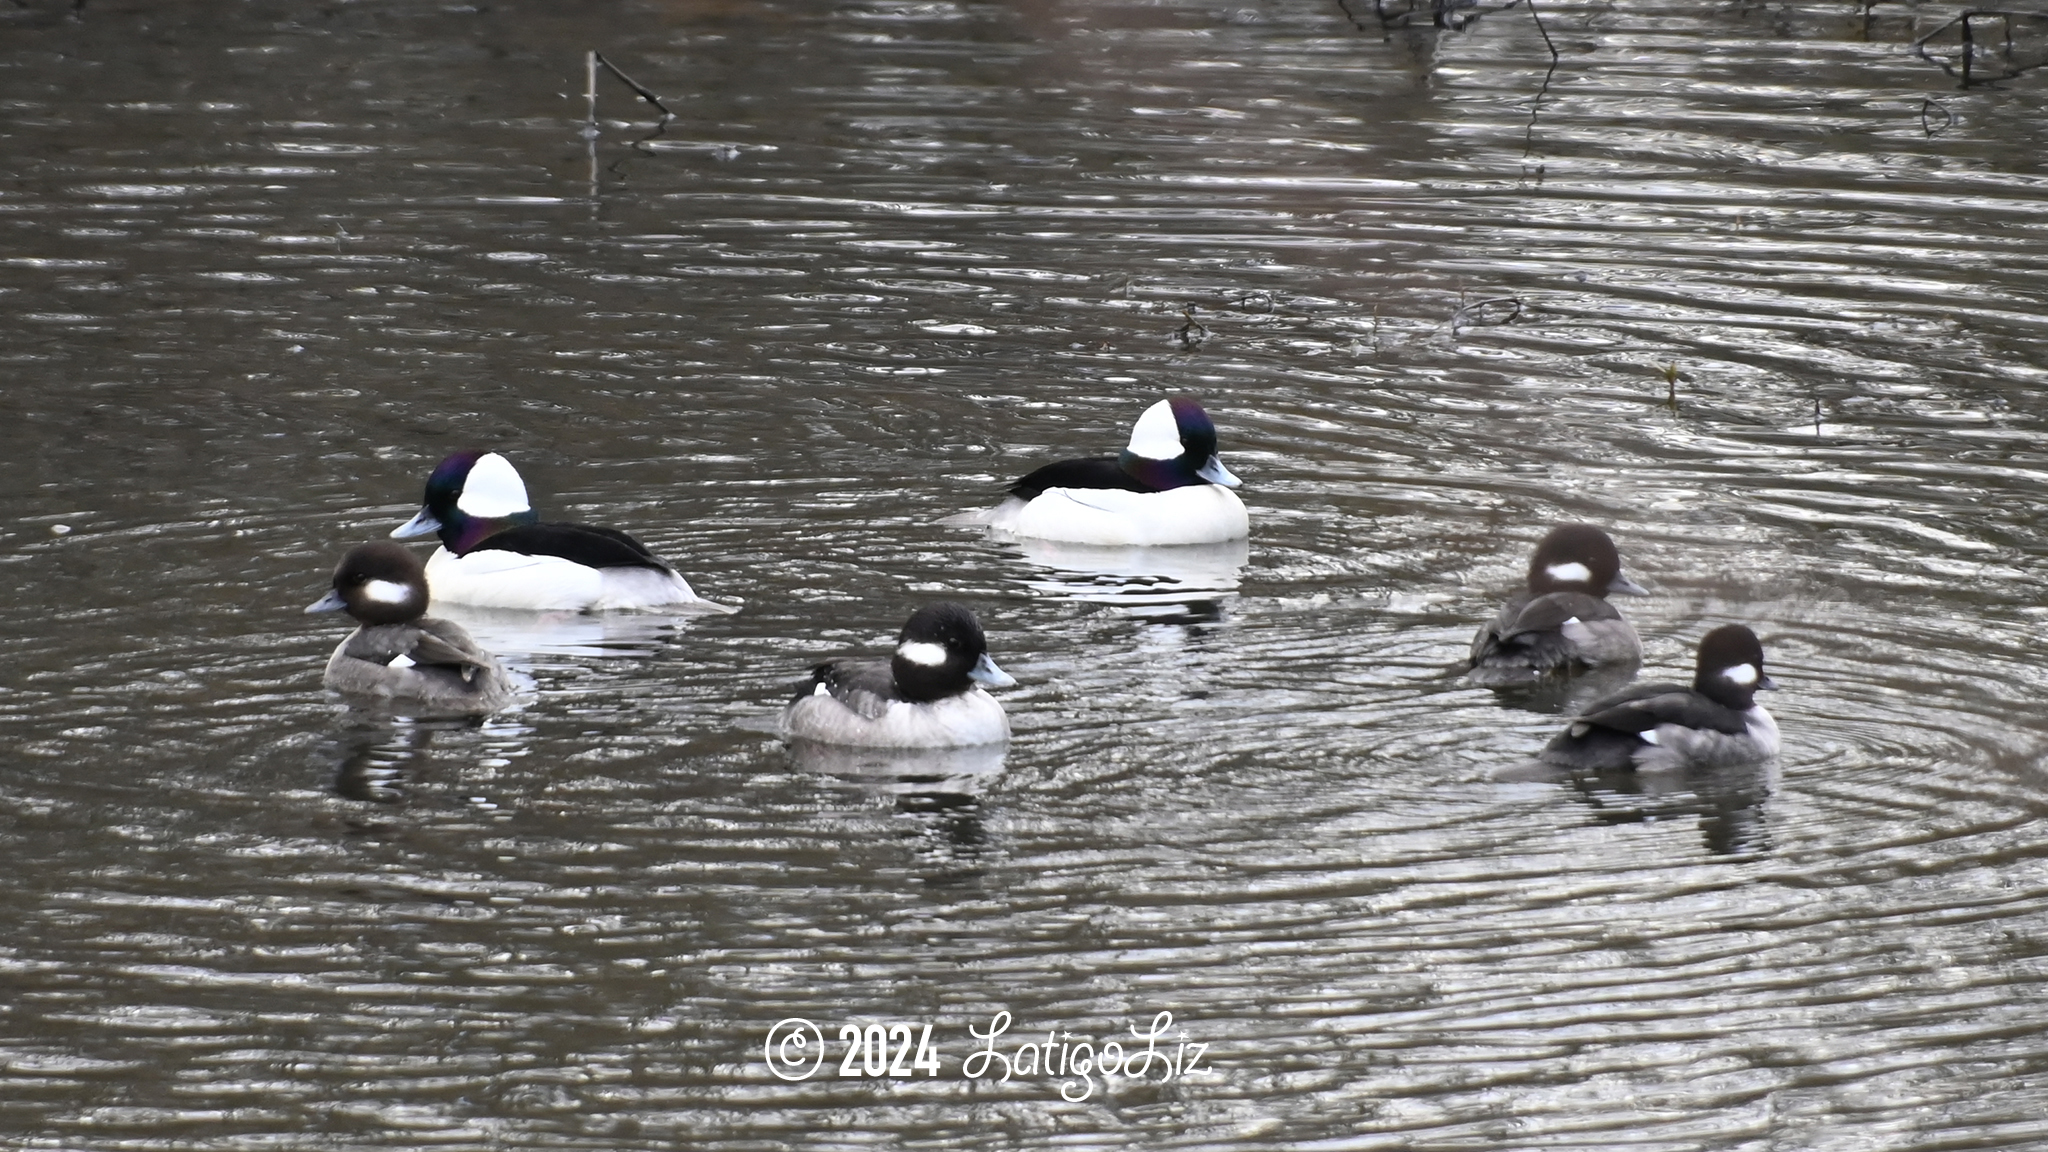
<point x="1572" y="573"/>
<point x="1156" y="436"/>
<point x="386" y="592"/>
<point x="922" y="652"/>
<point x="493" y="489"/>
<point x="1743" y="674"/>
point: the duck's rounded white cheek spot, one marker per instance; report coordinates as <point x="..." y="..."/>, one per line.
<point x="387" y="592"/>
<point x="1156" y="436"/>
<point x="923" y="652"/>
<point x="493" y="489"/>
<point x="1572" y="573"/>
<point x="1743" y="674"/>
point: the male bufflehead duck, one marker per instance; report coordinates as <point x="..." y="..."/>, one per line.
<point x="399" y="656"/>
<point x="1562" y="623"/>
<point x="495" y="553"/>
<point x="1167" y="487"/>
<point x="1661" y="727"/>
<point x="925" y="696"/>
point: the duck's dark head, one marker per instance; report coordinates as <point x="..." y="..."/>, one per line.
<point x="1579" y="558"/>
<point x="377" y="583"/>
<point x="1173" y="445"/>
<point x="470" y="495"/>
<point x="942" y="652"/>
<point x="1730" y="670"/>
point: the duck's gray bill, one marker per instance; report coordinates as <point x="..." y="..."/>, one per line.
<point x="1215" y="473"/>
<point x="986" y="672"/>
<point x="424" y="524"/>
<point x="1622" y="585"/>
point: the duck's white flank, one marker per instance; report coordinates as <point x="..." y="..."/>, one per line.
<point x="970" y="718"/>
<point x="1196" y="514"/>
<point x="497" y="578"/>
<point x="1674" y="748"/>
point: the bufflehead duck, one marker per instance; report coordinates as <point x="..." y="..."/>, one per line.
<point x="925" y="696"/>
<point x="1652" y="727"/>
<point x="1167" y="487"/>
<point x="1562" y="623"/>
<point x="495" y="552"/>
<point x="399" y="656"/>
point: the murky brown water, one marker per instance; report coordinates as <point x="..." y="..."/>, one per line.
<point x="263" y="264"/>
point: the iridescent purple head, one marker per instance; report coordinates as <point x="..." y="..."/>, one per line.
<point x="470" y="495"/>
<point x="1173" y="445"/>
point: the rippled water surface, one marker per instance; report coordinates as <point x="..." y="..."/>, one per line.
<point x="1757" y="287"/>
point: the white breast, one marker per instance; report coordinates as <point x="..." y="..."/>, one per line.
<point x="1196" y="514"/>
<point x="1763" y="729"/>
<point x="495" y="578"/>
<point x="973" y="717"/>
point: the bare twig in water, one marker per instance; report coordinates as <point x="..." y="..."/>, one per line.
<point x="1964" y="66"/>
<point x="1474" y="315"/>
<point x="591" y="61"/>
<point x="635" y="85"/>
<point x="1192" y="333"/>
<point x="1927" y="123"/>
<point x="1456" y="15"/>
<point x="1540" y="31"/>
<point x="1536" y="107"/>
<point x="1816" y="416"/>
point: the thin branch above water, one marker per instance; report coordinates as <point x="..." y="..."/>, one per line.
<point x="1455" y="15"/>
<point x="2018" y="42"/>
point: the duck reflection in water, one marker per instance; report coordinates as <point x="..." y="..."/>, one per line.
<point x="374" y="759"/>
<point x="520" y="636"/>
<point x="1187" y="584"/>
<point x="1729" y="803"/>
<point x="941" y="789"/>
<point x="1728" y="800"/>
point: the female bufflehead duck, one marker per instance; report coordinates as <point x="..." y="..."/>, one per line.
<point x="495" y="553"/>
<point x="1653" y="727"/>
<point x="1168" y="487"/>
<point x="399" y="656"/>
<point x="1562" y="623"/>
<point x="925" y="696"/>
